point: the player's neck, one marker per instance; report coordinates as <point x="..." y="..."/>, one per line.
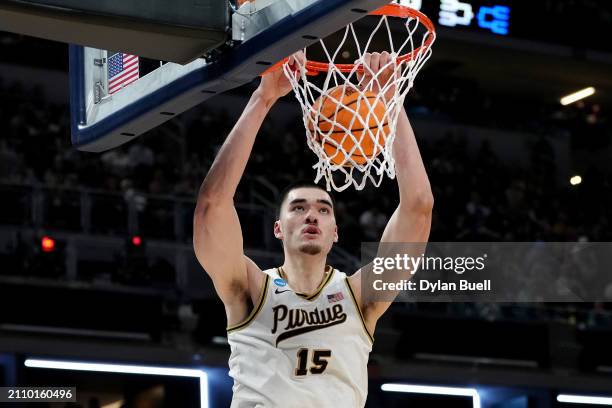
<point x="304" y="273"/>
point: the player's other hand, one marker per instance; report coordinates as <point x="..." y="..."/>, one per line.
<point x="378" y="73"/>
<point x="274" y="84"/>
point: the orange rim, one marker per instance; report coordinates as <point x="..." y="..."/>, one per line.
<point x="390" y="10"/>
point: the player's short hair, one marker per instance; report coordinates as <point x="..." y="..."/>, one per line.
<point x="299" y="184"/>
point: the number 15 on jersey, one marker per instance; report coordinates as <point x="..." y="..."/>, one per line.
<point x="311" y="361"/>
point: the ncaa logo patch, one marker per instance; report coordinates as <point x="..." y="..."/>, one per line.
<point x="280" y="282"/>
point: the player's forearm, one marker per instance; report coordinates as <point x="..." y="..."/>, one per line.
<point x="226" y="171"/>
<point x="414" y="187"/>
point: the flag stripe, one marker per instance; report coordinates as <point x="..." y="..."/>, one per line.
<point x="125" y="82"/>
<point x="125" y="74"/>
<point x="123" y="78"/>
<point x="119" y="86"/>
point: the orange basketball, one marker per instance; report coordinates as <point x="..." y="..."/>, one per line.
<point x="341" y="124"/>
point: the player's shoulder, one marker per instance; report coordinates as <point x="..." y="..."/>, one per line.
<point x="338" y="275"/>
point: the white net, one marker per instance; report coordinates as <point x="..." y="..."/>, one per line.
<point x="351" y="112"/>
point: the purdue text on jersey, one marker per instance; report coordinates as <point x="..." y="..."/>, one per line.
<point x="300" y="321"/>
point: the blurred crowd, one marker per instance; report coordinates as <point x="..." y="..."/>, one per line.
<point x="477" y="196"/>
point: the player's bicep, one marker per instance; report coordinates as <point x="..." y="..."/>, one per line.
<point x="407" y="226"/>
<point x="218" y="245"/>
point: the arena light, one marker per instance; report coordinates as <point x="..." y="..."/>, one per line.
<point x="136" y="240"/>
<point x="575" y="180"/>
<point x="117" y="404"/>
<point x="576" y="96"/>
<point x="584" y="399"/>
<point x="47" y="244"/>
<point x="126" y="369"/>
<point x="434" y="390"/>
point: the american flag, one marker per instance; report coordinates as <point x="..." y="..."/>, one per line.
<point x="122" y="71"/>
<point x="335" y="297"/>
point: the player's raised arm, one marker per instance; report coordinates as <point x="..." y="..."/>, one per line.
<point x="411" y="220"/>
<point x="217" y="237"/>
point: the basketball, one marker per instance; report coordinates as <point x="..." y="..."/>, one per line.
<point x="346" y="117"/>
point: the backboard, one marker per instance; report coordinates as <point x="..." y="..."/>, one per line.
<point x="111" y="103"/>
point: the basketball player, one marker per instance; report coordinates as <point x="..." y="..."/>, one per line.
<point x="300" y="334"/>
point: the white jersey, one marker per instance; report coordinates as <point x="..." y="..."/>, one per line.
<point x="301" y="351"/>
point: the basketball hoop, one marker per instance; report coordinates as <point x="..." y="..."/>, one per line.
<point x="353" y="136"/>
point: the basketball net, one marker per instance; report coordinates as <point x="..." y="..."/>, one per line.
<point x="342" y="159"/>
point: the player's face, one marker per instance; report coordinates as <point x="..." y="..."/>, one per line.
<point x="307" y="223"/>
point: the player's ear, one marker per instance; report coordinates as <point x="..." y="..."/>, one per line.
<point x="336" y="233"/>
<point x="278" y="233"/>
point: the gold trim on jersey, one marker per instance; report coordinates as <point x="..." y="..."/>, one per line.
<point x="365" y="328"/>
<point x="256" y="309"/>
<point x="329" y="271"/>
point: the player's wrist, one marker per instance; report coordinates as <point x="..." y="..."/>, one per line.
<point x="264" y="97"/>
